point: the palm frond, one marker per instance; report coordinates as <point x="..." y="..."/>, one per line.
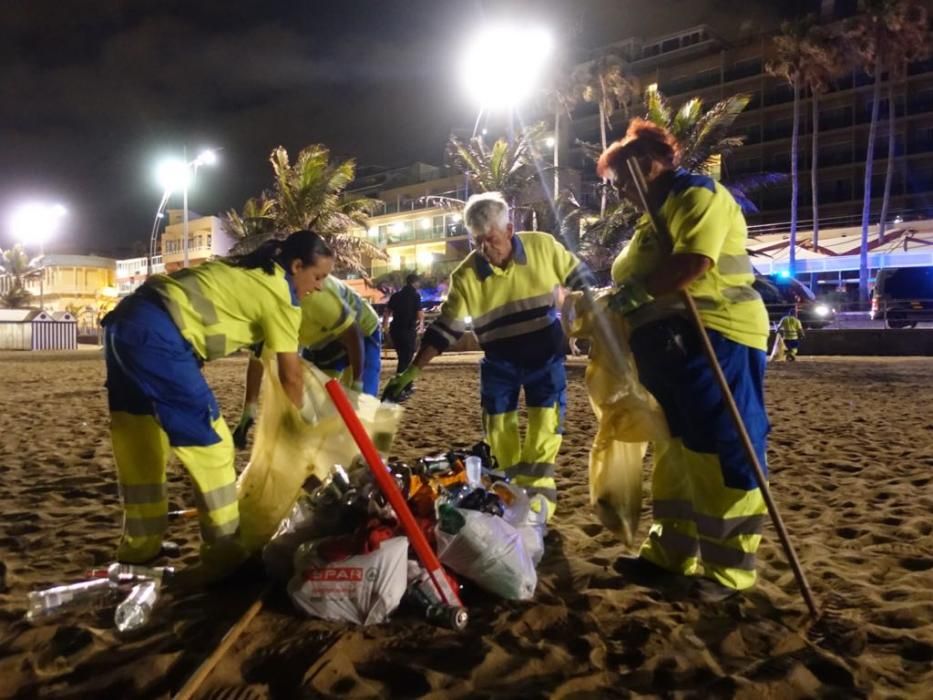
<point x="712" y="129"/>
<point x="657" y="109"/>
<point x="687" y="116"/>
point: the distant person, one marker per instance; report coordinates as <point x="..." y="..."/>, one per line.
<point x="339" y="334"/>
<point x="407" y="316"/>
<point x="791" y="330"/>
<point x="156" y="340"/>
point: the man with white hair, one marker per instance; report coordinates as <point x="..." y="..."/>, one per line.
<point x="509" y="286"/>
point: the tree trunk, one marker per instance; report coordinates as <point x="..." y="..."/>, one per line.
<point x="866" y="199"/>
<point x="889" y="175"/>
<point x="603" y="118"/>
<point x="794" y="181"/>
<point x="814" y="180"/>
<point x="602" y="138"/>
<point x="556" y="153"/>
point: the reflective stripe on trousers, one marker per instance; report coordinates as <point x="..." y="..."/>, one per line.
<point x="530" y="463"/>
<point x="141" y="452"/>
<point x="721" y="541"/>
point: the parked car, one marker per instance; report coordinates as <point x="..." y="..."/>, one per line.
<point x="782" y="294"/>
<point x="903" y="296"/>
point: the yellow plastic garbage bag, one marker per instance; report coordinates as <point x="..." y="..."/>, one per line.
<point x="287" y="449"/>
<point x="778" y="350"/>
<point x="628" y="415"/>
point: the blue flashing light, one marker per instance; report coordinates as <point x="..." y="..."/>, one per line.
<point x="784" y="275"/>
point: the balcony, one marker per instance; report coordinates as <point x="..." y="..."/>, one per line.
<point x="743" y="69"/>
<point x="421" y="202"/>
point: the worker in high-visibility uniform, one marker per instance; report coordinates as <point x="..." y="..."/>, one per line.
<point x="791" y="330"/>
<point x="156" y="341"/>
<point x="508" y="286"/>
<point x="708" y="509"/>
<point x="340" y="334"/>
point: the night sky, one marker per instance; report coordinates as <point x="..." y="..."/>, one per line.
<point x="93" y="92"/>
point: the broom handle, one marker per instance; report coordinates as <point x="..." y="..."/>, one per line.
<point x="390" y="490"/>
<point x="641" y="185"/>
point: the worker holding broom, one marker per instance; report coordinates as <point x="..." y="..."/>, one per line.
<point x="708" y="509"/>
<point x="156" y="341"/>
<point x="508" y="287"/>
<point x="791" y="331"/>
<point x="339" y="334"/>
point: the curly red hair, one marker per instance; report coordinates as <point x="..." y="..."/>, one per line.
<point x="642" y="139"/>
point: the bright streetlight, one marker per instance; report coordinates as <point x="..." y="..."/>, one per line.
<point x="502" y="64"/>
<point x="36" y="223"/>
<point x="173" y="175"/>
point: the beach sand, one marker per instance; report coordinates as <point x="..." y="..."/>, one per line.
<point x="851" y="457"/>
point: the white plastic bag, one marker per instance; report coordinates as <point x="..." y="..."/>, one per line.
<point x="491" y="553"/>
<point x="531" y="523"/>
<point x="363" y="590"/>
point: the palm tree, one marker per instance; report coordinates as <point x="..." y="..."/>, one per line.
<point x="882" y="36"/>
<point x="907" y="43"/>
<point x="16" y="264"/>
<point x="789" y="65"/>
<point x="560" y="98"/>
<point x="257" y="217"/>
<point x="704" y="139"/>
<point x="822" y="65"/>
<point x="506" y="167"/>
<point x="604" y="81"/>
<point x="309" y="194"/>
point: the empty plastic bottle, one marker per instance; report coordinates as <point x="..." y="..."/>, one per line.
<point x="132" y="573"/>
<point x="134" y="612"/>
<point x="51" y="600"/>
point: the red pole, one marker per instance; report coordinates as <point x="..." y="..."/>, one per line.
<point x="391" y="491"/>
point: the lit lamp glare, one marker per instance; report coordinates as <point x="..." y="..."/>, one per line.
<point x="502" y="64"/>
<point x="36" y="222"/>
<point x="173" y="175"/>
<point x="207" y="157"/>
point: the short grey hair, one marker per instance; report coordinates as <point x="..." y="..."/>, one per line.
<point x="485" y="211"/>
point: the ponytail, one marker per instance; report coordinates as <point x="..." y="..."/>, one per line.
<point x="304" y="245"/>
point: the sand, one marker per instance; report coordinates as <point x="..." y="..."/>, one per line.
<point x="851" y="457"/>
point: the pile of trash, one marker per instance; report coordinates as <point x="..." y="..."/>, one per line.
<point x="345" y="558"/>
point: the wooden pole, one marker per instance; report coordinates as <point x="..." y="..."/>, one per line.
<point x="641" y="185"/>
<point x="193" y="684"/>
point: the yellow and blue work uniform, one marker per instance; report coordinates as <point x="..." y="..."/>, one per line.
<point x="514" y="317"/>
<point x="791" y="329"/>
<point x="708" y="509"/>
<point x="156" y="341"/>
<point x="325" y="316"/>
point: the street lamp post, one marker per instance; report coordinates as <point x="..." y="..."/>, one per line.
<point x="37" y="222"/>
<point x="176" y="175"/>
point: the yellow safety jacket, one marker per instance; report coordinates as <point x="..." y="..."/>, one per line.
<point x="513" y="309"/>
<point x="790" y="327"/>
<point x="220" y="308"/>
<point x="702" y="218"/>
<point x="326" y="314"/>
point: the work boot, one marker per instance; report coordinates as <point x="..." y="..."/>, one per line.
<point x="642" y="571"/>
<point x="708" y="591"/>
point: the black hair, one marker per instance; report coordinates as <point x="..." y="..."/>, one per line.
<point x="411" y="279"/>
<point x="304" y="245"/>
